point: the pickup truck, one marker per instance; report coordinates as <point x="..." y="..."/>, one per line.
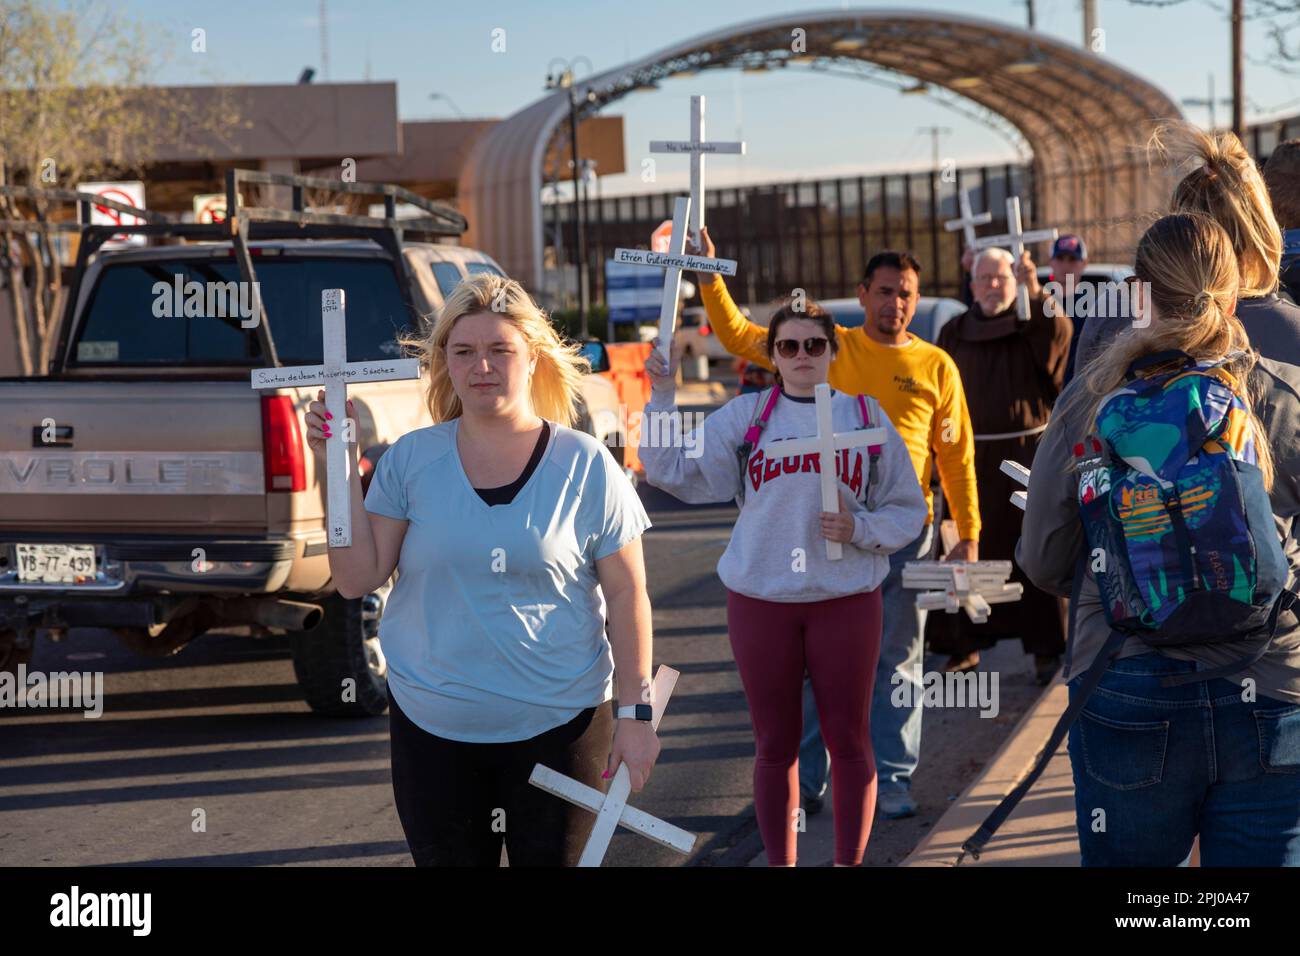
<point x="146" y="487"/>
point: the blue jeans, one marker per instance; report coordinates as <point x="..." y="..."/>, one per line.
<point x="895" y="731"/>
<point x="1154" y="766"/>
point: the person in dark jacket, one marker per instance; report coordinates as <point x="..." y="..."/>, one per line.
<point x="1282" y="176"/>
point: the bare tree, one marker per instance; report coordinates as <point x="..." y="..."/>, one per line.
<point x="1282" y="19"/>
<point x="75" y="101"/>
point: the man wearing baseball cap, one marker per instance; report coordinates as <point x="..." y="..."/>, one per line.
<point x="1070" y="258"/>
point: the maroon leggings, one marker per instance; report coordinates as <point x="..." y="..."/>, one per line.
<point x="838" y="642"/>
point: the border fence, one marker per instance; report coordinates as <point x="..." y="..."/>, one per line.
<point x="816" y="234"/>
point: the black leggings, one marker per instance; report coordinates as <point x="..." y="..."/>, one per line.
<point x="457" y="800"/>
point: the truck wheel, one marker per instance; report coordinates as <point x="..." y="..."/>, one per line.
<point x="340" y="667"/>
<point x="11" y="655"/>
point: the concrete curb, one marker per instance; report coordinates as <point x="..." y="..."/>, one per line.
<point x="1041" y="831"/>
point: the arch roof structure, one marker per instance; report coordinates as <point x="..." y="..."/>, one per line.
<point x="1084" y="117"/>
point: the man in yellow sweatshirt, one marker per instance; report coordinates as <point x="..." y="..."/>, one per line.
<point x="919" y="388"/>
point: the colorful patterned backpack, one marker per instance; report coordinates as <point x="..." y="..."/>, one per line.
<point x="1181" y="535"/>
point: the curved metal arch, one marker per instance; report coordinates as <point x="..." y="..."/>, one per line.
<point x="1078" y="113"/>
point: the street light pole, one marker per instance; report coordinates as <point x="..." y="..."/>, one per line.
<point x="564" y="80"/>
<point x="579" y="225"/>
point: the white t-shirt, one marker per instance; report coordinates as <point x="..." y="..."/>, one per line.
<point x="495" y="628"/>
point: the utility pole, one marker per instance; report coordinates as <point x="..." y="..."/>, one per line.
<point x="1089" y="22"/>
<point x="1238" y="92"/>
<point x="1209" y="102"/>
<point x="1029" y="10"/>
<point x="324" y="45"/>
<point x="935" y="132"/>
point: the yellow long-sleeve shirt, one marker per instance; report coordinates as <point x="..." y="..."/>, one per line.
<point x="917" y="385"/>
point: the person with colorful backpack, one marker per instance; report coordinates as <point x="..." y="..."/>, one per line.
<point x="790" y="608"/>
<point x="1161" y="500"/>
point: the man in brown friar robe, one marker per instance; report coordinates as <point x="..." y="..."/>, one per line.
<point x="1012" y="371"/>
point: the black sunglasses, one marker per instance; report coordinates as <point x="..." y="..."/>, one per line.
<point x="789" y="348"/>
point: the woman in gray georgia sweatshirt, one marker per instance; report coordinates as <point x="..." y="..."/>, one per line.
<point x="790" y="608"/>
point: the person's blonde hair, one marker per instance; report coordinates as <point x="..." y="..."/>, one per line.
<point x="1226" y="185"/>
<point x="555" y="385"/>
<point x="1187" y="266"/>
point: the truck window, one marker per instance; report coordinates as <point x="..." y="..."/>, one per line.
<point x="478" y="268"/>
<point x="447" y="275"/>
<point x="132" y="316"/>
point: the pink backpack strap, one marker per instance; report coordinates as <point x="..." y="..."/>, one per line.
<point x="866" y="420"/>
<point x="756" y="429"/>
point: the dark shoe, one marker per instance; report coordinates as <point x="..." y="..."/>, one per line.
<point x="962" y="664"/>
<point x="893" y="804"/>
<point x="812" y="805"/>
<point x="1045" y="667"/>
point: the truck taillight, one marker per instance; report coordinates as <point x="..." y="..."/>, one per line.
<point x="282" y="452"/>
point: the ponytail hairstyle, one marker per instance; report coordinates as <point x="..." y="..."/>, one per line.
<point x="786" y="311"/>
<point x="1187" y="266"/>
<point x="555" y="382"/>
<point x="1226" y="185"/>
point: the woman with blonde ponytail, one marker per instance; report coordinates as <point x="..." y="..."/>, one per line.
<point x="1225" y="184"/>
<point x="512" y="536"/>
<point x="1164" y="754"/>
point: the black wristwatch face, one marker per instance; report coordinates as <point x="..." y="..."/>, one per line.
<point x="645" y="712"/>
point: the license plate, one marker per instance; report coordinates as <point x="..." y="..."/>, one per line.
<point x="56" y="563"/>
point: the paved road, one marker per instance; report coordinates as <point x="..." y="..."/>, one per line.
<point x="220" y="728"/>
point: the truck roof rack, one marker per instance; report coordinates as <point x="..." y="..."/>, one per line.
<point x="247" y="223"/>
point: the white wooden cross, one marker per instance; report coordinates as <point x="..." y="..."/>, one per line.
<point x="1015" y="237"/>
<point x="826" y="444"/>
<point x="1021" y="474"/>
<point x="611" y="808"/>
<point x="970" y="586"/>
<point x="968" y="220"/>
<point x="673" y="262"/>
<point x="697" y="146"/>
<point x="335" y="374"/>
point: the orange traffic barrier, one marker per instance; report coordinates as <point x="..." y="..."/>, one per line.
<point x="628" y="375"/>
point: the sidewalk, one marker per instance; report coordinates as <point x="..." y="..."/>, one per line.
<point x="1041" y="831"/>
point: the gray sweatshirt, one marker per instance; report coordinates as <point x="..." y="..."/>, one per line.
<point x="777" y="552"/>
<point x="1273" y="325"/>
<point x="1052" y="540"/>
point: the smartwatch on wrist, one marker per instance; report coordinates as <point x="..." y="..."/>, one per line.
<point x="636" y="712"/>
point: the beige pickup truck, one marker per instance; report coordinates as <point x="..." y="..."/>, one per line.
<point x="146" y="487"/>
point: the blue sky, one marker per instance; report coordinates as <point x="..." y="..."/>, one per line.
<point x="796" y="124"/>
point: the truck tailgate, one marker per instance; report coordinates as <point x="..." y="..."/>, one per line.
<point x="144" y="455"/>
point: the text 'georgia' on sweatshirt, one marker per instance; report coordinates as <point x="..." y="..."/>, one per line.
<point x="777" y="551"/>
